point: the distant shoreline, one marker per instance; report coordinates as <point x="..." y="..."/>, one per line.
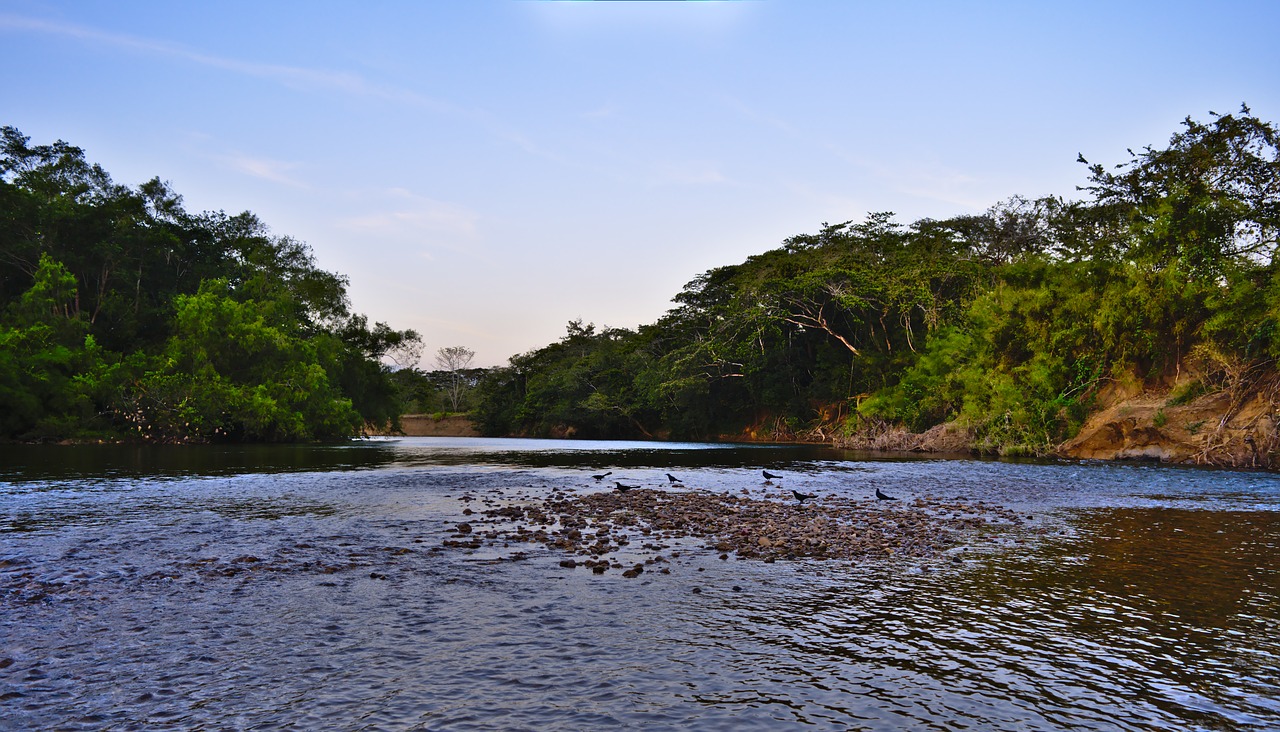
<point x="430" y="425"/>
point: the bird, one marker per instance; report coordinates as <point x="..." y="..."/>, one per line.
<point x="880" y="496"/>
<point x="672" y="478"/>
<point x="770" y="476"/>
<point x="624" y="488"/>
<point x="602" y="476"/>
<point x="801" y="496"/>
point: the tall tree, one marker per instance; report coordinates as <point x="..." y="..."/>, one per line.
<point x="455" y="360"/>
<point x="141" y="289"/>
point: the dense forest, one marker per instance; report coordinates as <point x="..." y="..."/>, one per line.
<point x="1008" y="323"/>
<point x="122" y="315"/>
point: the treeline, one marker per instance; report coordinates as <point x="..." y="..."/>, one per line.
<point x="124" y="315"/>
<point x="1007" y="322"/>
<point x="449" y="389"/>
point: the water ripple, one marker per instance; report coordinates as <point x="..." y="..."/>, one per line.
<point x="320" y="599"/>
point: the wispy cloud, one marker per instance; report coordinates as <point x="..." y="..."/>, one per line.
<point x="943" y="185"/>
<point x="837" y="206"/>
<point x="291" y="75"/>
<point x="276" y="171"/>
<point x="626" y="17"/>
<point x="296" y="77"/>
<point x="934" y="182"/>
<point x="416" y="218"/>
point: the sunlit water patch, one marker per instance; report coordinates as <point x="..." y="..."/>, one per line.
<point x="248" y="589"/>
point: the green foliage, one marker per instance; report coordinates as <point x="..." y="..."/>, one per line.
<point x="45" y="356"/>
<point x="1160" y="419"/>
<point x="228" y="372"/>
<point x="933" y="389"/>
<point x="1203" y="204"/>
<point x="1186" y="392"/>
<point x="584" y="385"/>
<point x="430" y="392"/>
<point x="122" y="314"/>
<point x="1006" y="322"/>
<point x="120" y="311"/>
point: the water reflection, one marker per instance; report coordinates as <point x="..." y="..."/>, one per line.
<point x="54" y="463"/>
<point x="1203" y="566"/>
<point x="1065" y="633"/>
<point x="598" y="454"/>
<point x="229" y="590"/>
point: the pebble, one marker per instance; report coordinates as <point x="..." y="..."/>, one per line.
<point x="768" y="527"/>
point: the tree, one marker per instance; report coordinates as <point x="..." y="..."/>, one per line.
<point x="230" y="372"/>
<point x="119" y="310"/>
<point x="455" y="360"/>
<point x="42" y="352"/>
<point x="1210" y="199"/>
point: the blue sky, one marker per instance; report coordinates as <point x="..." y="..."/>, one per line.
<point x="486" y="171"/>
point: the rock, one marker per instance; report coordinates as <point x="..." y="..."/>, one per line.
<point x="764" y="529"/>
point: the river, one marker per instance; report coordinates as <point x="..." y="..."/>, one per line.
<point x="304" y="588"/>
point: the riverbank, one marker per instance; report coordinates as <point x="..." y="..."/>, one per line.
<point x="1230" y="428"/>
<point x="1166" y="423"/>
<point x="1226" y="428"/>
<point x="431" y="425"/>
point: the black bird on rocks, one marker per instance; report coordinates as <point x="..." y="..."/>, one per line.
<point x="602" y="476"/>
<point x="802" y="496"/>
<point x="770" y="476"/>
<point x="880" y="496"/>
<point x="672" y="478"/>
<point x="624" y="488"/>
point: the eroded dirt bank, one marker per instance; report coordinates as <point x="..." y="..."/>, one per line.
<point x="1222" y="428"/>
<point x="1233" y="428"/>
<point x="429" y="425"/>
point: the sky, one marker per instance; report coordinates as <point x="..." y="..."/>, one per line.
<point x="487" y="171"/>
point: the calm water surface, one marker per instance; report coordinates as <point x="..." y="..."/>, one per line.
<point x="299" y="588"/>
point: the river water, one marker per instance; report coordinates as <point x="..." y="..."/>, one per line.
<point x="304" y="588"/>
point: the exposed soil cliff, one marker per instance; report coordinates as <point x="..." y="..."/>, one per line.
<point x="428" y="425"/>
<point x="1235" y="427"/>
<point x="1230" y="427"/>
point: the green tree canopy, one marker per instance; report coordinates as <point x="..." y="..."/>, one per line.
<point x="1007" y="321"/>
<point x="124" y="313"/>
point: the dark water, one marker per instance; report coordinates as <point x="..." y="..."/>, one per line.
<point x="298" y="588"/>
